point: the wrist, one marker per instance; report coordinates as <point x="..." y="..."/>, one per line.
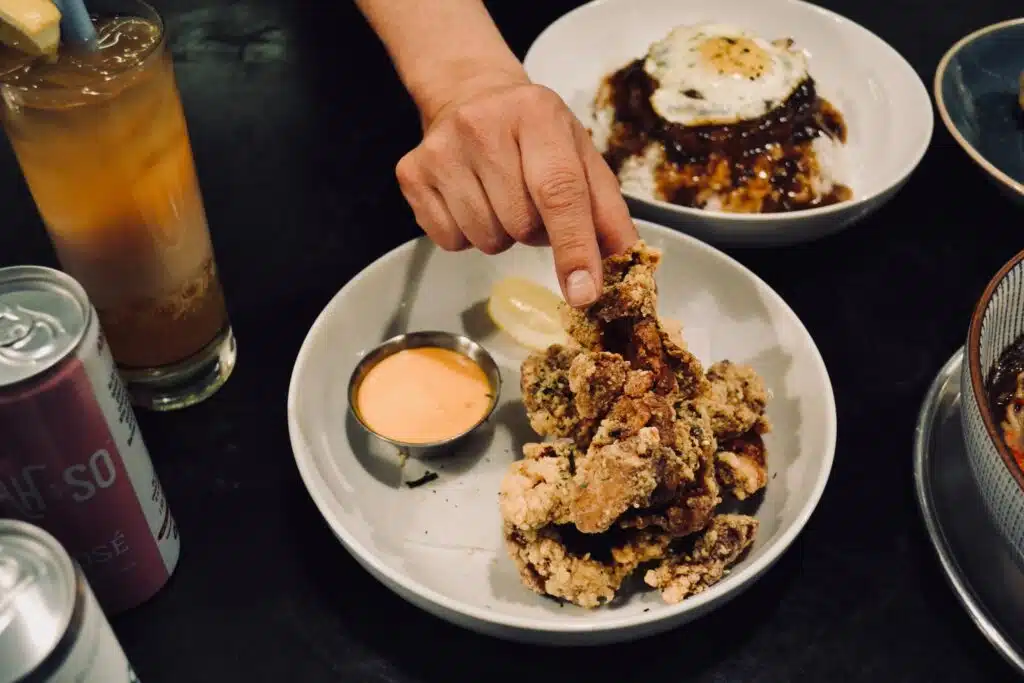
<point x="436" y="86"/>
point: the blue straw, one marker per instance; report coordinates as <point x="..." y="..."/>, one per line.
<point x="75" y="24"/>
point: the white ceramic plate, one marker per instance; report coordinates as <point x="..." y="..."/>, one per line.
<point x="440" y="545"/>
<point x="885" y="104"/>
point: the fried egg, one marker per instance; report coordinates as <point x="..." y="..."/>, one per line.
<point x="721" y="74"/>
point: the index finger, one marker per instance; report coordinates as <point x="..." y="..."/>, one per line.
<point x="615" y="230"/>
<point x="557" y="183"/>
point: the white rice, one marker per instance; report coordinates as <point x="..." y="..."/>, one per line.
<point x="637" y="175"/>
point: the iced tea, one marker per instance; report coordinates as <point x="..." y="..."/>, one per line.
<point x="102" y="141"/>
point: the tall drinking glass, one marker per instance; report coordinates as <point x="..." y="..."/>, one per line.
<point x="102" y="142"/>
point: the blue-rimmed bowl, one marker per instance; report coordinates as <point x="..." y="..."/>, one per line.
<point x="976" y="89"/>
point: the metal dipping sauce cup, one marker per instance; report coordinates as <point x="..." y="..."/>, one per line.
<point x="414" y="340"/>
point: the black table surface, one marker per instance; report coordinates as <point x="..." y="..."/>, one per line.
<point x="297" y="121"/>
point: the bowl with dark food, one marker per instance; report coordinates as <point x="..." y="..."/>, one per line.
<point x="979" y="91"/>
<point x="992" y="408"/>
<point x="740" y="122"/>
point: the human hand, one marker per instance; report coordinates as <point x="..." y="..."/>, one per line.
<point x="505" y="161"/>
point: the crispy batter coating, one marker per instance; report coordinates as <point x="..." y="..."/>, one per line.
<point x="536" y="490"/>
<point x="616" y="477"/>
<point x="741" y="465"/>
<point x="717" y="548"/>
<point x="645" y="444"/>
<point x="596" y="379"/>
<point x="737" y="400"/>
<point x="544" y="381"/>
<point x="550" y="566"/>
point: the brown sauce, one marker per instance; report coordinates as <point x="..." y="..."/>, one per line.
<point x="762" y="165"/>
<point x="1001" y="387"/>
<point x="1001" y="383"/>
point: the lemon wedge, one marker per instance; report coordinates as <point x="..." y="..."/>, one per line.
<point x="528" y="312"/>
<point x="30" y="26"/>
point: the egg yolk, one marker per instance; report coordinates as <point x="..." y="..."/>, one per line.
<point x="735" y="57"/>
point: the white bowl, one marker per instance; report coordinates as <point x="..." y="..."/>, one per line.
<point x="997" y="321"/>
<point x="885" y="104"/>
<point x="440" y="546"/>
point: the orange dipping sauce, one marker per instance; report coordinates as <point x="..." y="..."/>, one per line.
<point x="424" y="395"/>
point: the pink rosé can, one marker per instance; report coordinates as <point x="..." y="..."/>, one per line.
<point x="72" y="460"/>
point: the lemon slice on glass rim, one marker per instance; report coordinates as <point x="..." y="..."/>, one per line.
<point x="30" y="26"/>
<point x="528" y="312"/>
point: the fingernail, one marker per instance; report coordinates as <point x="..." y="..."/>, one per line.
<point x="580" y="288"/>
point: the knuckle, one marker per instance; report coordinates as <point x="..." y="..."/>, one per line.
<point x="442" y="232"/>
<point x="490" y="248"/>
<point x="561" y="191"/>
<point x="540" y="95"/>
<point x="471" y="122"/>
<point x="434" y="150"/>
<point x="522" y="224"/>
<point x="406" y="171"/>
<point x="494" y="244"/>
<point x="551" y="104"/>
<point x="447" y="240"/>
<point x="571" y="245"/>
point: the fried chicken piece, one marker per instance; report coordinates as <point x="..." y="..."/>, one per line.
<point x="583" y="331"/>
<point x="627" y="460"/>
<point x="642" y="344"/>
<point x="673" y="331"/>
<point x="587" y="576"/>
<point x="544" y="381"/>
<point x="617" y="477"/>
<point x="737" y="400"/>
<point x="686" y="446"/>
<point x="638" y="383"/>
<point x="741" y="465"/>
<point x="695" y="441"/>
<point x="689" y="373"/>
<point x="688" y="508"/>
<point x="647" y="443"/>
<point x="596" y="380"/>
<point x="688" y="491"/>
<point x="721" y="545"/>
<point x="631" y="414"/>
<point x="537" y="490"/>
<point x="629" y="291"/>
<point x="624" y="320"/>
<point x="647" y="345"/>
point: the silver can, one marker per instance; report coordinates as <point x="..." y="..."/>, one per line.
<point x="52" y="630"/>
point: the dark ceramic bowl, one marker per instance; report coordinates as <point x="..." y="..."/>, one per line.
<point x="976" y="89"/>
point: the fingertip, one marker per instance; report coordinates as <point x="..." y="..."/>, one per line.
<point x="581" y="288"/>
